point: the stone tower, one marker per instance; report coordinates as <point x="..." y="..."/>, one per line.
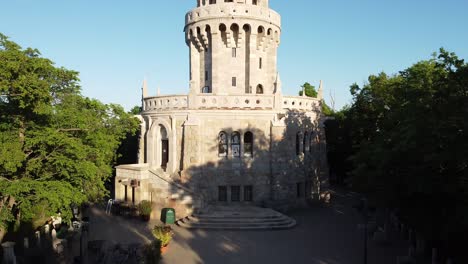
<point x="233" y="47"/>
<point x="234" y="138"/>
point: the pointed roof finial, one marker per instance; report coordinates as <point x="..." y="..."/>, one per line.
<point x="320" y="91"/>
<point x="278" y="83"/>
<point x="159" y="91"/>
<point x="144" y="89"/>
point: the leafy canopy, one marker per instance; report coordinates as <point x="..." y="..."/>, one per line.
<point x="405" y="136"/>
<point x="57" y="147"/>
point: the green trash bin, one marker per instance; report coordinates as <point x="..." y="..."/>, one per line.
<point x="168" y="216"/>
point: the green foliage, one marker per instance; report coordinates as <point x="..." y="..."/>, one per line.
<point x="309" y="90"/>
<point x="136" y="110"/>
<point x="145" y="208"/>
<point x="327" y="110"/>
<point x="407" y="138"/>
<point x="56" y="146"/>
<point x="163" y="234"/>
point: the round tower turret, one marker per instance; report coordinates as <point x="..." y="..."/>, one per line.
<point x="233" y="47"/>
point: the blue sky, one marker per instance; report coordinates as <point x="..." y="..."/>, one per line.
<point x="115" y="44"/>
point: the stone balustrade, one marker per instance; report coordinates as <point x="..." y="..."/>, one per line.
<point x="301" y="103"/>
<point x="221" y="102"/>
<point x="235" y="101"/>
<point x="167" y="102"/>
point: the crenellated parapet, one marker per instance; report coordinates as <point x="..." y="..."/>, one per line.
<point x="232" y="11"/>
<point x="263" y="3"/>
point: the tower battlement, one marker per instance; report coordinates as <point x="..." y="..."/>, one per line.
<point x="263" y="3"/>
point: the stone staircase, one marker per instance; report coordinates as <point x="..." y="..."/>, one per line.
<point x="237" y="218"/>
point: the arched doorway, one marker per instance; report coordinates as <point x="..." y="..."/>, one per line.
<point x="164" y="147"/>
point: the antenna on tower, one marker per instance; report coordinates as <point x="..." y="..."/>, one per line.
<point x="144" y="93"/>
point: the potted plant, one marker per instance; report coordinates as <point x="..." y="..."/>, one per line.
<point x="145" y="210"/>
<point x="164" y="235"/>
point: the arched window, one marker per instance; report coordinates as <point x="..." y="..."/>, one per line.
<point x="306" y="143"/>
<point x="222" y="144"/>
<point x="254" y="2"/>
<point x="298" y="143"/>
<point x="235" y="144"/>
<point x="248" y="144"/>
<point x="259" y="89"/>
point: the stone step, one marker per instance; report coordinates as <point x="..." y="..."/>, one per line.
<point x="280" y="222"/>
<point x="215" y="217"/>
<point x="240" y="226"/>
<point x="234" y="220"/>
<point x="237" y="218"/>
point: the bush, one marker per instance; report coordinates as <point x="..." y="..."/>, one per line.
<point x="163" y="234"/>
<point x="145" y="208"/>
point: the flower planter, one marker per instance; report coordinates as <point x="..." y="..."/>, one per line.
<point x="145" y="218"/>
<point x="164" y="249"/>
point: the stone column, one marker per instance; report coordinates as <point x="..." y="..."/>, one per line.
<point x="194" y="68"/>
<point x="141" y="141"/>
<point x="253" y="75"/>
<point x="216" y="46"/>
<point x="173" y="145"/>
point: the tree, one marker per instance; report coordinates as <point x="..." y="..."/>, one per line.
<point x="409" y="149"/>
<point x="56" y="146"/>
<point x="309" y="90"/>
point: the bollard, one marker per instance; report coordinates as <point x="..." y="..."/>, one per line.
<point x="434" y="256"/>
<point x="47" y="231"/>
<point x="9" y="253"/>
<point x="54" y="234"/>
<point x="411" y="251"/>
<point x="37" y="235"/>
<point x="26" y="242"/>
<point x="84" y="246"/>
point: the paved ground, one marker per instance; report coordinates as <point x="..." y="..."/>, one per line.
<point x="324" y="235"/>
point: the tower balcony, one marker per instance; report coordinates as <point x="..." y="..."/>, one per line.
<point x="166" y="103"/>
<point x="232" y="11"/>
